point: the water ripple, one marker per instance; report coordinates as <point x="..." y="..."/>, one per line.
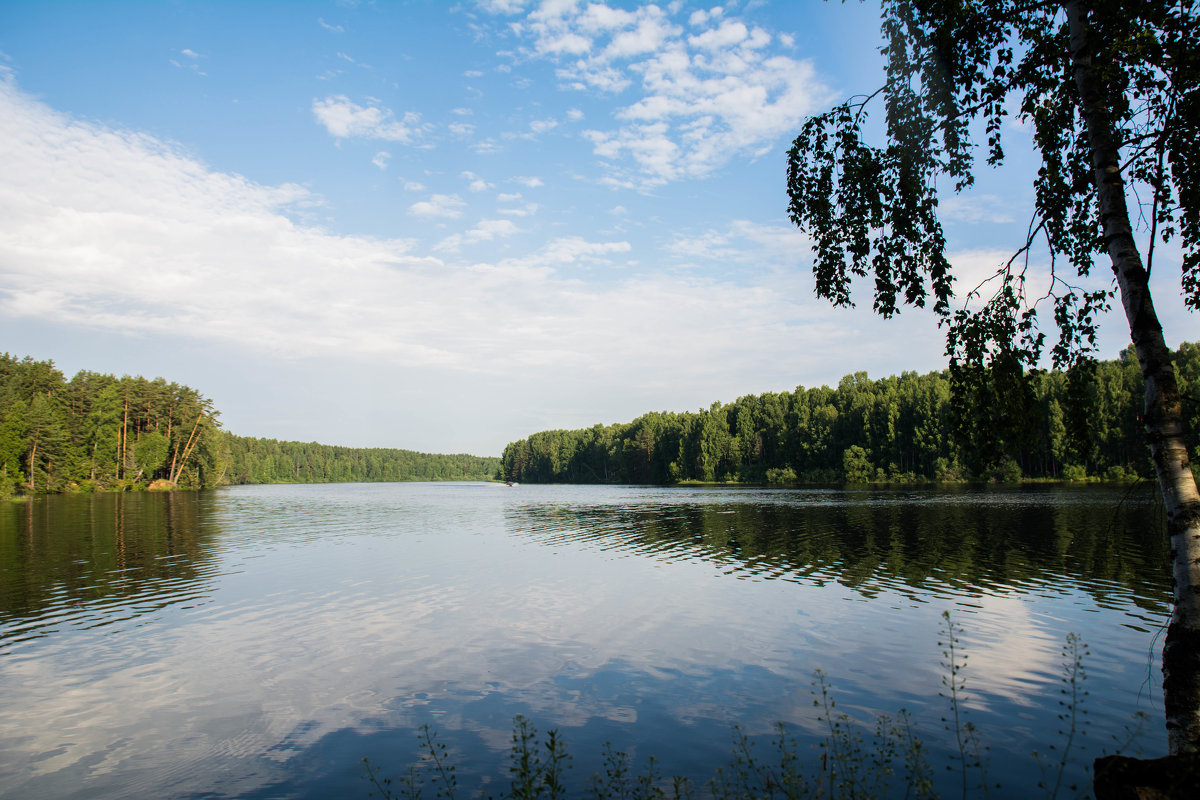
<point x="221" y="644"/>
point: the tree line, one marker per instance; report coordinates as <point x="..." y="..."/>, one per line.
<point x="270" y="461"/>
<point x="1053" y="424"/>
<point x="100" y="432"/>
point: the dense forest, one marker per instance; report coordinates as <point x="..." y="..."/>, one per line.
<point x="269" y="461"/>
<point x="97" y="432"/>
<point x="1039" y="424"/>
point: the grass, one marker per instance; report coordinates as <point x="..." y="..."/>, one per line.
<point x="852" y="762"/>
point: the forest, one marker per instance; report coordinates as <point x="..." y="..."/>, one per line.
<point x="1038" y="424"/>
<point x="99" y="432"/>
<point x="269" y="461"/>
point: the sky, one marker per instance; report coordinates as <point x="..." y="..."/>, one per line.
<point x="445" y="226"/>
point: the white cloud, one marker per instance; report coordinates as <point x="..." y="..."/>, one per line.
<point x="115" y="231"/>
<point x="527" y="210"/>
<point x="492" y="228"/>
<point x="976" y="208"/>
<point x="649" y="33"/>
<point x="531" y="182"/>
<point x="381" y="158"/>
<point x="597" y="17"/>
<point x="701" y="97"/>
<point x="477" y="184"/>
<point x="784" y="242"/>
<point x="414" y="186"/>
<point x="702" y="17"/>
<point x="583" y="75"/>
<point x="193" y="56"/>
<point x="650" y="146"/>
<point x="502" y="6"/>
<point x="507" y="197"/>
<point x="568" y="43"/>
<point x="330" y="28"/>
<point x="707" y="245"/>
<point x="484" y="231"/>
<point x="106" y="230"/>
<point x="729" y="34"/>
<point x="551" y="28"/>
<point x="574" y="114"/>
<point x="570" y="249"/>
<point x="743" y="242"/>
<point x="344" y="119"/>
<point x="977" y="270"/>
<point x="439" y="205"/>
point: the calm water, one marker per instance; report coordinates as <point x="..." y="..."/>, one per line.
<point x="260" y="641"/>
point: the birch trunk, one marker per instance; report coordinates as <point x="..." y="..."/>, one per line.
<point x="1163" y="413"/>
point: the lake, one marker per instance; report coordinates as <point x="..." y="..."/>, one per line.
<point x="261" y="641"/>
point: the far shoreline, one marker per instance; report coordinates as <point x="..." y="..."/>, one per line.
<point x="686" y="484"/>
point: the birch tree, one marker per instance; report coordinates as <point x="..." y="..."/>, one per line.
<point x="1111" y="90"/>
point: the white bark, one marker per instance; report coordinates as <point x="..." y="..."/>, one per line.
<point x="1163" y="412"/>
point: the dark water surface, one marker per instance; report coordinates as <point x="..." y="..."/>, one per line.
<point x="260" y="641"/>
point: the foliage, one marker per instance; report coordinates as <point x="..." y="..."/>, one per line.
<point x="953" y="71"/>
<point x="1082" y="422"/>
<point x="269" y="461"/>
<point x="99" y="431"/>
<point x="856" y="465"/>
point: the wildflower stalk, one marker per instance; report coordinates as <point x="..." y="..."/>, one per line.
<point x="1071" y="714"/>
<point x="970" y="750"/>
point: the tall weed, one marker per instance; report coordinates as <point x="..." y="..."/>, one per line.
<point x="852" y="761"/>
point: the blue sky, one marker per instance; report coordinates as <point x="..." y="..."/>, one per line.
<point x="445" y="226"/>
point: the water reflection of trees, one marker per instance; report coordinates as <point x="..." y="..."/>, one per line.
<point x="874" y="541"/>
<point x="77" y="551"/>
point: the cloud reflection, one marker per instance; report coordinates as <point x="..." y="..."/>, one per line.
<point x="611" y="613"/>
